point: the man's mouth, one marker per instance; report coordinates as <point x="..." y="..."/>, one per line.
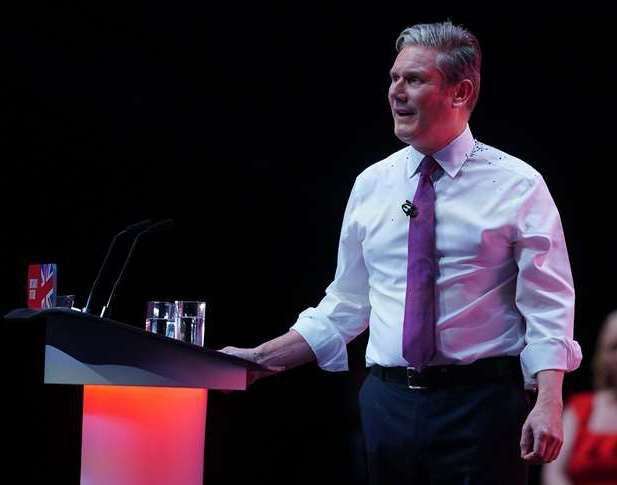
<point x="404" y="113"/>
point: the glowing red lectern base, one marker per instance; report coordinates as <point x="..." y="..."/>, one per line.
<point x="143" y="435"/>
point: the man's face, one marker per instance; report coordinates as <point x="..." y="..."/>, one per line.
<point x="421" y="103"/>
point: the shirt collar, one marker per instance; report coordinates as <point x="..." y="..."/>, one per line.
<point x="450" y="158"/>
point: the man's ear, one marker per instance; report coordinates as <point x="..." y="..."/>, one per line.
<point x="462" y="93"/>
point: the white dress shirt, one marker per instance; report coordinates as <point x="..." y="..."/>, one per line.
<point x="503" y="284"/>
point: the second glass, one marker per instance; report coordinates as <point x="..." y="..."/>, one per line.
<point x="190" y="321"/>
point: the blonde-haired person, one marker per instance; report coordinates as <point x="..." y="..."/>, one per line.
<point x="589" y="453"/>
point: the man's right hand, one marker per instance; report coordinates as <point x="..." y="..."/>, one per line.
<point x="251" y="355"/>
<point x="276" y="355"/>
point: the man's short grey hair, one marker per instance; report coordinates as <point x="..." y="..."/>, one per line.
<point x="459" y="51"/>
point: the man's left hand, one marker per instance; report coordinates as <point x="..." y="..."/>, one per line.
<point x="542" y="434"/>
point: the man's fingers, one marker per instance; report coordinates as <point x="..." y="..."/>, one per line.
<point x="229" y="350"/>
<point x="255" y="376"/>
<point x="540" y="442"/>
<point x="553" y="451"/>
<point x="535" y="457"/>
<point x="545" y="448"/>
<point x="531" y="445"/>
<point x="526" y="440"/>
<point x="245" y="354"/>
<point x="276" y="368"/>
<point x="533" y="454"/>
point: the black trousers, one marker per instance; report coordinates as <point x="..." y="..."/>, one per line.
<point x="466" y="435"/>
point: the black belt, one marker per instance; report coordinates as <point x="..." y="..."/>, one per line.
<point x="491" y="369"/>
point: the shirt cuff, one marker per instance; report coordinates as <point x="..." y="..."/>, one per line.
<point x="325" y="341"/>
<point x="549" y="353"/>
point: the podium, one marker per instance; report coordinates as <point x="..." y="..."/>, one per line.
<point x="95" y="401"/>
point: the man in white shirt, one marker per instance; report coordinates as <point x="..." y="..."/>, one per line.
<point x="502" y="308"/>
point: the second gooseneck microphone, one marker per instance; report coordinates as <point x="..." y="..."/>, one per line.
<point x="156" y="227"/>
<point x="132" y="229"/>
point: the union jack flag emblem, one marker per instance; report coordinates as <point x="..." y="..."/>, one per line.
<point x="42" y="286"/>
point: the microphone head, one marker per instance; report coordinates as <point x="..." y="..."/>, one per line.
<point x="139" y="226"/>
<point x="163" y="225"/>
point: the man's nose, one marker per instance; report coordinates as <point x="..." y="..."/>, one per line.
<point x="397" y="91"/>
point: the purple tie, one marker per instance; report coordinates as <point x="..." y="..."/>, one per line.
<point x="419" y="322"/>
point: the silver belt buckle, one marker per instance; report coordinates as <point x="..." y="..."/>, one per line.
<point x="412" y="375"/>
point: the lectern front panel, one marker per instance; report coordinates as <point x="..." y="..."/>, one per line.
<point x="143" y="435"/>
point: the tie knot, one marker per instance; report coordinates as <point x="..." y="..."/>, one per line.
<point x="428" y="166"/>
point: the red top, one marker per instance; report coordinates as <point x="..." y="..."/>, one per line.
<point x="593" y="460"/>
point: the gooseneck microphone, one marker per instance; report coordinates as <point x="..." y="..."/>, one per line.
<point x="156" y="227"/>
<point x="131" y="229"/>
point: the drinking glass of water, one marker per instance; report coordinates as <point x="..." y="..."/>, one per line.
<point x="190" y="321"/>
<point x="161" y="318"/>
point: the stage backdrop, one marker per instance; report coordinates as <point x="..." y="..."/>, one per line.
<point x="248" y="126"/>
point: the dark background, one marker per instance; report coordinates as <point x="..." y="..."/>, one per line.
<point x="247" y="126"/>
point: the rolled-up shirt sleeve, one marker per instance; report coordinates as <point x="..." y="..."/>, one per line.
<point x="344" y="311"/>
<point x="544" y="289"/>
